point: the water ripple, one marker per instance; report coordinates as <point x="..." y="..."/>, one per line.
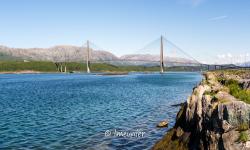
<point x="55" y="111"/>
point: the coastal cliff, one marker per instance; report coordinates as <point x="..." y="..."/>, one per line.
<point x="215" y="116"/>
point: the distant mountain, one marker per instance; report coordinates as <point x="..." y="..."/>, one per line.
<point x="245" y="64"/>
<point x="171" y="61"/>
<point x="56" y="53"/>
<point x="248" y="63"/>
<point x="73" y="53"/>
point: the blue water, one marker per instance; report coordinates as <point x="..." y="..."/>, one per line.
<point x="73" y="111"/>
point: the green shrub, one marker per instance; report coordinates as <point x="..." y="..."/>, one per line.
<point x="231" y="82"/>
<point x="243" y="136"/>
<point x="221" y="80"/>
<point x="211" y="93"/>
<point x="207" y="93"/>
<point x="236" y="90"/>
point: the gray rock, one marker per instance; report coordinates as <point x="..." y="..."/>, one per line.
<point x="235" y="112"/>
<point x="245" y="83"/>
<point x="226" y="126"/>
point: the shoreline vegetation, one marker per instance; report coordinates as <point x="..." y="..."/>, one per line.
<point x="215" y="116"/>
<point x="76" y="67"/>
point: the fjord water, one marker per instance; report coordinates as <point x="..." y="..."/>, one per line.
<point x="73" y="111"/>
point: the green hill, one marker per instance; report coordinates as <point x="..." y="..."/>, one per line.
<point x="43" y="66"/>
<point x="6" y="57"/>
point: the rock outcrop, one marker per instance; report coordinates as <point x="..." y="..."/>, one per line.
<point x="211" y="119"/>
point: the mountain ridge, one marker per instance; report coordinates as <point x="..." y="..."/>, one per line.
<point x="68" y="53"/>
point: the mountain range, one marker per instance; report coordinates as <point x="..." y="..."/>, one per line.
<point x="66" y="53"/>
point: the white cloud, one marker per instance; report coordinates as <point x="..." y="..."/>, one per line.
<point x="229" y="55"/>
<point x="218" y="18"/>
<point x="232" y="58"/>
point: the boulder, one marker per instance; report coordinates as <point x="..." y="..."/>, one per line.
<point x="162" y="124"/>
<point x="235" y="112"/>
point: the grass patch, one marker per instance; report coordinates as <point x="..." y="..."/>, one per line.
<point x="236" y="90"/>
<point x="211" y="93"/>
<point x="243" y="136"/>
<point x="20" y="65"/>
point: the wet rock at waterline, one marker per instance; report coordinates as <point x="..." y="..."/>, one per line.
<point x="162" y="124"/>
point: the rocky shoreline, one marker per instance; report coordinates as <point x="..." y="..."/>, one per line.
<point x="212" y="118"/>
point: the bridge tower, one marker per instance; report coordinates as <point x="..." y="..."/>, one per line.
<point x="88" y="62"/>
<point x="161" y="56"/>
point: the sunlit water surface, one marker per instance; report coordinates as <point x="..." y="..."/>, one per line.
<point x="73" y="111"/>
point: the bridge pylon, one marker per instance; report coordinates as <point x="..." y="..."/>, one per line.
<point x="161" y="56"/>
<point x="87" y="60"/>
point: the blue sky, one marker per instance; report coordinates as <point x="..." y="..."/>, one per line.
<point x="206" y="29"/>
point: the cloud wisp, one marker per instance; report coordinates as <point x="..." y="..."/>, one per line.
<point x="194" y="3"/>
<point x="229" y="58"/>
<point x="218" y="18"/>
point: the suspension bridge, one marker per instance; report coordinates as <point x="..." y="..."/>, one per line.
<point x="160" y="52"/>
